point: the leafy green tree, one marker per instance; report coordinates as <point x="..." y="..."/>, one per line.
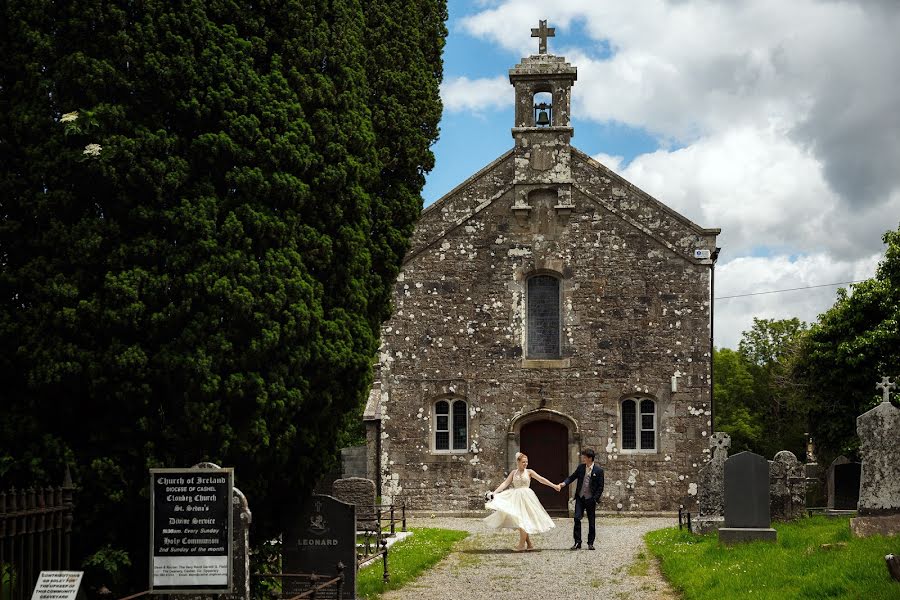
<point x="203" y="209"/>
<point x="757" y="401"/>
<point x="733" y="396"/>
<point x="769" y="349"/>
<point x="853" y="345"/>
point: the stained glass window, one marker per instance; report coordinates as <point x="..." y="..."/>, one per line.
<point x="460" y="437"/>
<point x="638" y="428"/>
<point x="543" y="317"/>
<point x="442" y="425"/>
<point x="451" y="425"/>
<point x="629" y="437"/>
<point x="648" y="425"/>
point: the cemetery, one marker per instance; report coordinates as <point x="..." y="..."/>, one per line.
<point x="320" y="300"/>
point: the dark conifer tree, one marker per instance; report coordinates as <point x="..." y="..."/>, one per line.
<point x="203" y="206"/>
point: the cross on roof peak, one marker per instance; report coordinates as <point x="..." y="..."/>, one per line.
<point x="885" y="385"/>
<point x="542" y="32"/>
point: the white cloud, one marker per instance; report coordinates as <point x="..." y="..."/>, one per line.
<point x="476" y="95"/>
<point x="819" y="72"/>
<point x="761" y="274"/>
<point x="777" y="121"/>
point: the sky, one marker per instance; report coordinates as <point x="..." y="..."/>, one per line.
<point x="778" y="122"/>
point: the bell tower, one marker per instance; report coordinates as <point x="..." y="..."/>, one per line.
<point x="542" y="129"/>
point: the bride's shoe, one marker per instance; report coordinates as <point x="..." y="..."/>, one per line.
<point x="520" y="548"/>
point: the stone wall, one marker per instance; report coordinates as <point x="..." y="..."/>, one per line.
<point x="635" y="312"/>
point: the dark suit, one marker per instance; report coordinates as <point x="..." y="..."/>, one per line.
<point x="586" y="504"/>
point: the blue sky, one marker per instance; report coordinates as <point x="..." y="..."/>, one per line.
<point x="773" y="121"/>
<point x="470" y="140"/>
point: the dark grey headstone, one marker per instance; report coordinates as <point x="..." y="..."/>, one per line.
<point x="747" y="491"/>
<point x="846" y="486"/>
<point x="323" y="536"/>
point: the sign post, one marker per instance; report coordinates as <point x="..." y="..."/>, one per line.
<point x="190" y="531"/>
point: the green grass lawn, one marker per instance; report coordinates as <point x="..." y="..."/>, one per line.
<point x="797" y="566"/>
<point x="407" y="560"/>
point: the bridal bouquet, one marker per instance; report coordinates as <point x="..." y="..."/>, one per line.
<point x="488" y="496"/>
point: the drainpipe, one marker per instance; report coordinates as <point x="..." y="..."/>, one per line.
<point x="712" y="312"/>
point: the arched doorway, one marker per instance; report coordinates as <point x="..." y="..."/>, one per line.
<point x="546" y="443"/>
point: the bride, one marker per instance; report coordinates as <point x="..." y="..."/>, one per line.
<point x="519" y="508"/>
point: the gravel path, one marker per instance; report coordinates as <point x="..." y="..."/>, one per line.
<point x="484" y="566"/>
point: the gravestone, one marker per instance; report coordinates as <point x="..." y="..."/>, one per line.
<point x="240" y="541"/>
<point x="816" y="495"/>
<point x="360" y="493"/>
<point x="322" y="537"/>
<point x="711" y="492"/>
<point x="879" y="487"/>
<point x="843" y="484"/>
<point x="787" y="487"/>
<point x="846" y="486"/>
<point x="353" y="462"/>
<point x="747" y="516"/>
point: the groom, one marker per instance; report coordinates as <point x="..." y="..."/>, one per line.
<point x="590" y="487"/>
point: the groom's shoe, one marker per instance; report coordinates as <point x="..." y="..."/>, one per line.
<point x="590" y="546"/>
<point x="577" y="546"/>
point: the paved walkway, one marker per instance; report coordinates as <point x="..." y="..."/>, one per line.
<point x="484" y="566"/>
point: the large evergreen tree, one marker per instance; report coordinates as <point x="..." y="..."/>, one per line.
<point x="204" y="206"/>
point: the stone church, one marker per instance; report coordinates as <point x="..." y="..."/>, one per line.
<point x="546" y="305"/>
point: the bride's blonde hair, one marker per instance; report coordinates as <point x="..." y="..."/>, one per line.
<point x="520" y="456"/>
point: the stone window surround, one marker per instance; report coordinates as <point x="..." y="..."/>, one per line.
<point x="432" y="430"/>
<point x="543" y="363"/>
<point x="637" y="398"/>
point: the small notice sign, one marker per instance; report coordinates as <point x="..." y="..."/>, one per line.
<point x="190" y="530"/>
<point x="57" y="585"/>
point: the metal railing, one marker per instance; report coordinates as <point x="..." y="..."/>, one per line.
<point x="388" y="512"/>
<point x="35" y="536"/>
<point x="320" y="585"/>
<point x="684" y="519"/>
<point x="371" y="551"/>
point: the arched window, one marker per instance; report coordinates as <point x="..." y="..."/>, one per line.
<point x="638" y="424"/>
<point x="543" y="317"/>
<point x="451" y="426"/>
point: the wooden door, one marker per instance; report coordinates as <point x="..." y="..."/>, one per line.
<point x="546" y="444"/>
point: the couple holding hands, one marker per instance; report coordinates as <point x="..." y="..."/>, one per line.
<point x="519" y="508"/>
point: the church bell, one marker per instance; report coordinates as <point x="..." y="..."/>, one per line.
<point x="543" y="118"/>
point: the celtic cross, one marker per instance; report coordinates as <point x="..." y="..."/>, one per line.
<point x="885" y="385"/>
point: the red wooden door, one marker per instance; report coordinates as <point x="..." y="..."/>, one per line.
<point x="546" y="444"/>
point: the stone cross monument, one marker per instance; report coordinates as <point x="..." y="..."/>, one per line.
<point x="885" y="385"/>
<point x="879" y="484"/>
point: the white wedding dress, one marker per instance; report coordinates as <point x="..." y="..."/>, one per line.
<point x="518" y="507"/>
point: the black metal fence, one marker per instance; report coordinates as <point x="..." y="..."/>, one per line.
<point x="684" y="519"/>
<point x="317" y="586"/>
<point x="388" y="512"/>
<point x="35" y="536"/>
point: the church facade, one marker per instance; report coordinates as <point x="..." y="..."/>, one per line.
<point x="546" y="305"/>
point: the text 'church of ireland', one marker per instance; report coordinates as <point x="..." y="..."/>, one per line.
<point x="546" y="305"/>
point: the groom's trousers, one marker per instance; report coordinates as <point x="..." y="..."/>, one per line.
<point x="589" y="506"/>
